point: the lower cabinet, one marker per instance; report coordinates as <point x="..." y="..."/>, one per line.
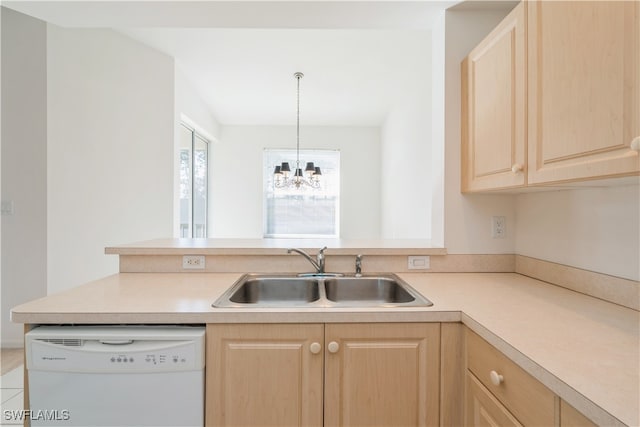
<point x="499" y="392"/>
<point x="370" y="374"/>
<point x="483" y="409"/>
<point x="264" y="375"/>
<point x="570" y="417"/>
<point x="374" y="374"/>
<point x="382" y="374"/>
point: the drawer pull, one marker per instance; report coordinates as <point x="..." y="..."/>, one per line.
<point x="635" y="144"/>
<point x="517" y="168"/>
<point x="333" y="347"/>
<point x="315" y="348"/>
<point x="496" y="378"/>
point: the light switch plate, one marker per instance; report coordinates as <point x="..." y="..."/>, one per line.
<point x="421" y="262"/>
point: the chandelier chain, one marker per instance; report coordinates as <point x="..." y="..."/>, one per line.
<point x="281" y="173"/>
<point x="298" y="77"/>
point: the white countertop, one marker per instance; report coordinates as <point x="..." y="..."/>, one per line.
<point x="584" y="349"/>
<point x="266" y="247"/>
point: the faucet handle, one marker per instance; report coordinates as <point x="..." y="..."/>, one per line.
<point x="321" y="251"/>
<point x="359" y="265"/>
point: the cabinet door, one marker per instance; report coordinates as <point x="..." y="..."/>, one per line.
<point x="483" y="409"/>
<point x="584" y="89"/>
<point x="382" y="374"/>
<point x="570" y="417"/>
<point x="493" y="108"/>
<point x="259" y="375"/>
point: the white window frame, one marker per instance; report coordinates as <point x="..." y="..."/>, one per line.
<point x="290" y="156"/>
<point x="196" y="135"/>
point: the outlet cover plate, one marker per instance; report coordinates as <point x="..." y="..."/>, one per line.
<point x="421" y="262"/>
<point x="498" y="227"/>
<point x="193" y="262"/>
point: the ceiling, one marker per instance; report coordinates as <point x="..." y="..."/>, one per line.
<point x="352" y="77"/>
<point x="361" y="59"/>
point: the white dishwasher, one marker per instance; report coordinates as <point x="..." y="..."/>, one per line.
<point x="131" y="376"/>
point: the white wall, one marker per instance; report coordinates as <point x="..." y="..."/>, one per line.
<point x="468" y="217"/>
<point x="191" y="109"/>
<point x="24" y="166"/>
<point x="596" y="229"/>
<point x="406" y="140"/>
<point x="110" y="150"/>
<point x="236" y="176"/>
<point x="438" y="49"/>
<point x="406" y="171"/>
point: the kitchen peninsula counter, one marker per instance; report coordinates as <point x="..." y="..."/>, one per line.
<point x="276" y="246"/>
<point x="584" y="349"/>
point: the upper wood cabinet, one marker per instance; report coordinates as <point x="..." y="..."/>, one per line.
<point x="493" y="108"/>
<point x="563" y="105"/>
<point x="584" y="89"/>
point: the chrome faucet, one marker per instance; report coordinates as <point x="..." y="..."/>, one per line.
<point x="358" y="265"/>
<point x="318" y="263"/>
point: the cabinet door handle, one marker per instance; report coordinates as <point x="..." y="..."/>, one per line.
<point x="333" y="347"/>
<point x="315" y="347"/>
<point x="635" y="144"/>
<point x="496" y="378"/>
<point x="517" y="168"/>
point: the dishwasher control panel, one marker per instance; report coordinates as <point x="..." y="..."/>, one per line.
<point x="110" y="355"/>
<point x="177" y="357"/>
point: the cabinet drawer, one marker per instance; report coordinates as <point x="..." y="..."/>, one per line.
<point x="525" y="397"/>
<point x="483" y="409"/>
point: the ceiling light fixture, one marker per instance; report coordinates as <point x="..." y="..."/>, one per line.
<point x="281" y="174"/>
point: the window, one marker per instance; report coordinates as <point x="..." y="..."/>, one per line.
<point x="194" y="164"/>
<point x="302" y="213"/>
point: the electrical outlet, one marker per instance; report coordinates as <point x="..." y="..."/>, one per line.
<point x="193" y="262"/>
<point x="7" y="207"/>
<point x="498" y="227"/>
<point x="422" y="262"/>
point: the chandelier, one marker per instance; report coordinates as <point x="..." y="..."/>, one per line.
<point x="282" y="174"/>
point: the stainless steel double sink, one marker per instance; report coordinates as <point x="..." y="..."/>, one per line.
<point x="322" y="290"/>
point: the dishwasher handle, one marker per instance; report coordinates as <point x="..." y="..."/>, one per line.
<point x="115" y="342"/>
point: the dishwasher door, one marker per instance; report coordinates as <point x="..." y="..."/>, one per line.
<point x="116" y="376"/>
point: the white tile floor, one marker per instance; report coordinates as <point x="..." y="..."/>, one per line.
<point x="11" y="395"/>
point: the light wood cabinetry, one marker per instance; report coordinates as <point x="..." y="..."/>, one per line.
<point x="483" y="409"/>
<point x="382" y="374"/>
<point x="524" y="398"/>
<point x="584" y="89"/>
<point x="314" y="374"/>
<point x="570" y="417"/>
<point x="493" y="108"/>
<point x="581" y="103"/>
<point x="261" y="375"/>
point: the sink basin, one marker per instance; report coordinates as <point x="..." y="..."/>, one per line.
<point x="270" y="291"/>
<point x="264" y="291"/>
<point x="380" y="290"/>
